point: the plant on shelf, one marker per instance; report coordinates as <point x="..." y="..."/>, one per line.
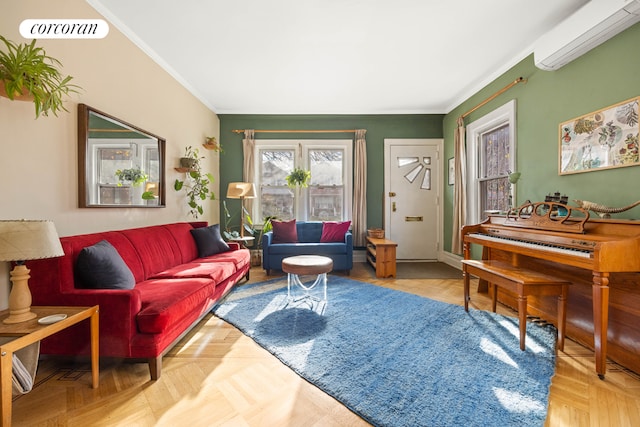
<point x="28" y="73"/>
<point x="298" y="178"/>
<point x="196" y="183"/>
<point x="210" y="143"/>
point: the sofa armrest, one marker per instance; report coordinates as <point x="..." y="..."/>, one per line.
<point x="267" y="238"/>
<point x="118" y="309"/>
<point x="234" y="246"/>
<point x="348" y="238"/>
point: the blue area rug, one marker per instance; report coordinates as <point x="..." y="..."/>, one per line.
<point x="397" y="359"/>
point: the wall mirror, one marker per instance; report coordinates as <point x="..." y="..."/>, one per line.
<point x="119" y="164"/>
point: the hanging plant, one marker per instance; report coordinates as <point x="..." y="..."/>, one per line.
<point x="28" y="73"/>
<point x="135" y="176"/>
<point x="299" y="178"/>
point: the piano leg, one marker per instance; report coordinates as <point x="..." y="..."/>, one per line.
<point x="522" y="321"/>
<point x="466" y="290"/>
<point x="600" y="320"/>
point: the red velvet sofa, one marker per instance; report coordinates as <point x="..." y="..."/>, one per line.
<point x="174" y="289"/>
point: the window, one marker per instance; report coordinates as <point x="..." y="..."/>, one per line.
<point x="491" y="157"/>
<point x="328" y="196"/>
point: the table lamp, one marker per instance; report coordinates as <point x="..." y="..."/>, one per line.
<point x="241" y="190"/>
<point x="20" y="241"/>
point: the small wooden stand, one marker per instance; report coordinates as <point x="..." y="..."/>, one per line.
<point x="29" y="332"/>
<point x="381" y="254"/>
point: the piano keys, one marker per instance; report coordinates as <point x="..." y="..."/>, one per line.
<point x="601" y="258"/>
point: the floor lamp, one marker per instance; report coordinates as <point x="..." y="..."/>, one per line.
<point x="22" y="241"/>
<point x="241" y="190"/>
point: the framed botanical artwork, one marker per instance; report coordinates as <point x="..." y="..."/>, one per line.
<point x="452" y="171"/>
<point x="604" y="139"/>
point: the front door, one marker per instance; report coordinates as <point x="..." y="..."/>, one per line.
<point x="412" y="196"/>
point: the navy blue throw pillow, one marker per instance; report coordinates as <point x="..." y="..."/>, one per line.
<point x="101" y="267"/>
<point x="209" y="241"/>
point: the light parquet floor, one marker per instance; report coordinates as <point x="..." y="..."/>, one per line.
<point x="218" y="377"/>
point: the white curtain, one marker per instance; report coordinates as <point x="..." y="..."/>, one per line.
<point x="460" y="193"/>
<point x="248" y="167"/>
<point x="359" y="222"/>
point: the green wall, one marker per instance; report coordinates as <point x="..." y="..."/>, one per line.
<point x="378" y="128"/>
<point x="604" y="76"/>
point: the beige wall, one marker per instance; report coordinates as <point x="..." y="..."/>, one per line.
<point x="38" y="160"/>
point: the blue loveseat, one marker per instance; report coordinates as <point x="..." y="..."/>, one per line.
<point x="309" y="234"/>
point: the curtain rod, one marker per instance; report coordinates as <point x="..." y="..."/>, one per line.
<point x="495" y="95"/>
<point x="296" y="131"/>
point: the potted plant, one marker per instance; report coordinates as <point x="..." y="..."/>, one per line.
<point x="134" y="175"/>
<point x="298" y="178"/>
<point x="28" y="73"/>
<point x="190" y="158"/>
<point x="196" y="184"/>
<point x="266" y="227"/>
<point x="210" y="143"/>
<point x="228" y="232"/>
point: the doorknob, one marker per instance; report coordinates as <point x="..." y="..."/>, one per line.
<point x="393" y="206"/>
<point x="392" y="194"/>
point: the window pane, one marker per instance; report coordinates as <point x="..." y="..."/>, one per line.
<point x="326" y="192"/>
<point x="404" y="161"/>
<point x="277" y="202"/>
<point x="426" y="181"/>
<point x="276" y="199"/>
<point x="325" y="203"/>
<point x="411" y="176"/>
<point x="275" y="165"/>
<point x="495" y="148"/>
<point x="495" y="195"/>
<point x="326" y="167"/>
<point x="110" y="160"/>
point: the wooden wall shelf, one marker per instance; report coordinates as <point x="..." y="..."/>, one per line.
<point x="183" y="170"/>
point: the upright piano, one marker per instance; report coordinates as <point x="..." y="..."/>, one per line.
<point x="601" y="257"/>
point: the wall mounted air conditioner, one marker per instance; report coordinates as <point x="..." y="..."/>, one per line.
<point x="591" y="25"/>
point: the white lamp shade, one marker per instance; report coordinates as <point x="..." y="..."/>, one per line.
<point x="237" y="190"/>
<point x="22" y="240"/>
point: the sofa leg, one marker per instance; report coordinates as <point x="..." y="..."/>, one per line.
<point x="155" y="367"/>
<point x="268" y="272"/>
<point x="247" y="275"/>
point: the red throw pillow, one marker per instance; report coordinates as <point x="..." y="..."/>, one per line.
<point x="284" y="231"/>
<point x="334" y="231"/>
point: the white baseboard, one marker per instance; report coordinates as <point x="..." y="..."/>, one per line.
<point x="450" y="259"/>
<point x="360" y="255"/>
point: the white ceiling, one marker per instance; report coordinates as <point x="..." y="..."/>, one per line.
<point x="335" y="56"/>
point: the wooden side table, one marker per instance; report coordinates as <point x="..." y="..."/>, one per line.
<point x="381" y="254"/>
<point x="245" y="242"/>
<point x="31" y="331"/>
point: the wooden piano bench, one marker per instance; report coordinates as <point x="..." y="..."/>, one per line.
<point x="523" y="283"/>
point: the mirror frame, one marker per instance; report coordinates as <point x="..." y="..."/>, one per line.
<point x="84" y="200"/>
